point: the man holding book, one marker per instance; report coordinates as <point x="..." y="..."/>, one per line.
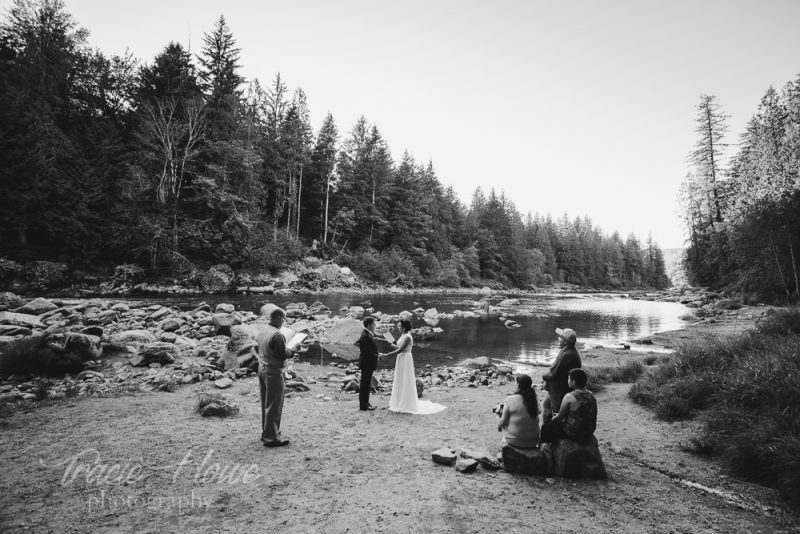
<point x="272" y="356"/>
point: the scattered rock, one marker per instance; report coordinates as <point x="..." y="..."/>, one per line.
<point x="297" y="386"/>
<point x="224" y="308"/>
<point x="483" y="458"/>
<point x="444" y="456"/>
<point x="223" y="383"/>
<point x="37" y="306"/>
<point x="466" y="465"/>
<point x="131" y="338"/>
<point x="159" y="352"/>
<point x="20" y="319"/>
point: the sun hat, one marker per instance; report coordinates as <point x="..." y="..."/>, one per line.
<point x="568" y="334"/>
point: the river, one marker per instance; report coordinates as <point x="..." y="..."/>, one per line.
<point x="598" y="319"/>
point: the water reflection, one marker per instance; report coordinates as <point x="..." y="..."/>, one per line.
<point x="598" y="320"/>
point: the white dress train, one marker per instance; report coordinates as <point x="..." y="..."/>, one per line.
<point x="404" y="388"/>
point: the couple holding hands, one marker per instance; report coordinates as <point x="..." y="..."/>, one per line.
<point x="404" y="387"/>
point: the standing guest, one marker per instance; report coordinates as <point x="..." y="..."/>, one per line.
<point x="520" y="418"/>
<point x="368" y="361"/>
<point x="556" y="379"/>
<point x="272" y="356"/>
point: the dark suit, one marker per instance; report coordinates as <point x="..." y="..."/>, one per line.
<point x="368" y="361"/>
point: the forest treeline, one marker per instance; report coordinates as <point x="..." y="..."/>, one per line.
<point x="744" y="217"/>
<point x="179" y="163"/>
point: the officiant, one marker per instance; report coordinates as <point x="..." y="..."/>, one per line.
<point x="272" y="356"/>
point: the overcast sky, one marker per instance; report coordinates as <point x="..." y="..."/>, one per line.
<point x="578" y="107"/>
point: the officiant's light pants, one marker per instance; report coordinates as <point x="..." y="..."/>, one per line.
<point x="271" y="389"/>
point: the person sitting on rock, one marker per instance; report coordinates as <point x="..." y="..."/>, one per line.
<point x="520" y="418"/>
<point x="577" y="417"/>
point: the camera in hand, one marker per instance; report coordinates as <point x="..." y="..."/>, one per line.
<point x="498" y="409"/>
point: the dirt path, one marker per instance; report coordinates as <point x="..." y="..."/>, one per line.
<point x="345" y="471"/>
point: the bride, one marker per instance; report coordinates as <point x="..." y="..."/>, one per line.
<point x="404" y="388"/>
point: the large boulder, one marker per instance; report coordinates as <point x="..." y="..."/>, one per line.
<point x="241" y="348"/>
<point x="525" y="461"/>
<point x="267" y="308"/>
<point x="224" y="307"/>
<point x="37" y="307"/>
<point x="342" y="336"/>
<point x="223" y="322"/>
<point x="578" y="460"/>
<point x="20" y="319"/>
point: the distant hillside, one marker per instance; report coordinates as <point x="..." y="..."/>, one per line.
<point x="672" y="263"/>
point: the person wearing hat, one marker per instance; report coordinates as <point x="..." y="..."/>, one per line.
<point x="557" y="378"/>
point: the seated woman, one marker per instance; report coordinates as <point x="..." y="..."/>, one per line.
<point x="520" y="417"/>
<point x="577" y="418"/>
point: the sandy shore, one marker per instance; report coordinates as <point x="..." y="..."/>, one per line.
<point x="148" y="463"/>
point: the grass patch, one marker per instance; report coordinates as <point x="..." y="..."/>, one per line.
<point x="747" y="390"/>
<point x="600" y="377"/>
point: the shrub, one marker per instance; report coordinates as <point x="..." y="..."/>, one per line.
<point x="746" y="388"/>
<point x="780" y="324"/>
<point x="128" y="274"/>
<point x="8" y="271"/>
<point x="599" y="377"/>
<point x="43" y="275"/>
<point x="390" y="266"/>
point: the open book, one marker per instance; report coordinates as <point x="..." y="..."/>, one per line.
<point x="388" y="337"/>
<point x="293" y="338"/>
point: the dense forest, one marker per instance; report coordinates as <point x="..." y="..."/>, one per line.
<point x="179" y="162"/>
<point x="744" y="217"/>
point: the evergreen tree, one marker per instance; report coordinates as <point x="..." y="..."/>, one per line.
<point x="221" y="82"/>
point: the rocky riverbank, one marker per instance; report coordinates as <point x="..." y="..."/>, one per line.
<point x="352" y="471"/>
<point x="52" y="348"/>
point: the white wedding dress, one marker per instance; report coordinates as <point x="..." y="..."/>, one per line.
<point x="404" y="388"/>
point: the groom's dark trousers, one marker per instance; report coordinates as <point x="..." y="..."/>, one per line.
<point x="368" y="361"/>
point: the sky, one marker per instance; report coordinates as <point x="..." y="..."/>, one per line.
<point x="576" y="107"/>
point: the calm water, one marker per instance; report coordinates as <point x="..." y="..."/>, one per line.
<point x="597" y="319"/>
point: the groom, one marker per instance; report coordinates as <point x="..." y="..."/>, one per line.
<point x="368" y="361"/>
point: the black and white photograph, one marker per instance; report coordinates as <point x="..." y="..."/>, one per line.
<point x="351" y="266"/>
